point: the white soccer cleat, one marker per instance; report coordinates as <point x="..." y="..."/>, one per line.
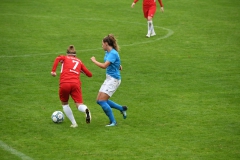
<point x="153" y="34"/>
<point x="74" y="125"/>
<point x="124" y="112"/>
<point x="111" y="124"/>
<point x="148" y="35"/>
<point x="88" y="116"/>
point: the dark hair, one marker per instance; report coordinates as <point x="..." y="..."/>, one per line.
<point x="112" y="41"/>
<point x="71" y="50"/>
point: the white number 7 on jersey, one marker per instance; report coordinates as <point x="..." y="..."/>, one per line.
<point x="76" y="64"/>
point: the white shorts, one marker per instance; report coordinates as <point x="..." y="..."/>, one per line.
<point x="110" y="85"/>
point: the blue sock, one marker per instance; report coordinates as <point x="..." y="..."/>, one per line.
<point x="114" y="105"/>
<point x="108" y="111"/>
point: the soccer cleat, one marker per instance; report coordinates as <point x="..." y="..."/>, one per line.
<point x="111" y="124"/>
<point x="153" y="34"/>
<point x="148" y="35"/>
<point x="74" y="125"/>
<point x="88" y="116"/>
<point x="124" y="112"/>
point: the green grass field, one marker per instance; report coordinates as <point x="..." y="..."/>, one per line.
<point x="182" y="87"/>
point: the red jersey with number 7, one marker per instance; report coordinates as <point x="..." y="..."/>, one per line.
<point x="150" y="2"/>
<point x="71" y="69"/>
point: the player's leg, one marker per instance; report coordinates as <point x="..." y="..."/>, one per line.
<point x="76" y="94"/>
<point x="64" y="92"/>
<point x="83" y="108"/>
<point x="114" y="105"/>
<point x="106" y="108"/>
<point x="107" y="89"/>
<point x="151" y="31"/>
<point x="151" y="13"/>
<point x="122" y="109"/>
<point x="68" y="111"/>
<point x="145" y="12"/>
<point x="149" y="22"/>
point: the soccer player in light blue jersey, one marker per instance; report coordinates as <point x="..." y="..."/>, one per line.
<point x="112" y="64"/>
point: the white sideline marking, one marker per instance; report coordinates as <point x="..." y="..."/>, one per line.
<point x="170" y="32"/>
<point x="13" y="151"/>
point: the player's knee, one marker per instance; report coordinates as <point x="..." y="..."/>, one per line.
<point x="149" y="18"/>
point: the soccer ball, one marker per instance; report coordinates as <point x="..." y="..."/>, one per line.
<point x="57" y="117"/>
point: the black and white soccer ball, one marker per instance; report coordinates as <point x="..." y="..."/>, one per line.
<point x="57" y="117"/>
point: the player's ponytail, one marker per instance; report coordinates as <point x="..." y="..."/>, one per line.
<point x="112" y="41"/>
<point x="71" y="50"/>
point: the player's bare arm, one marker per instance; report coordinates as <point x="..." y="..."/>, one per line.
<point x="99" y="64"/>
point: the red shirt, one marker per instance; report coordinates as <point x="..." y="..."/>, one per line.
<point x="71" y="69"/>
<point x="150" y="2"/>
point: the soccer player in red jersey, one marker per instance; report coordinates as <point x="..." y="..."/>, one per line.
<point x="70" y="84"/>
<point x="149" y="9"/>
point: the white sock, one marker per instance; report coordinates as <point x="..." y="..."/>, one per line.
<point x="149" y="26"/>
<point x="82" y="108"/>
<point x="68" y="111"/>
<point x="152" y="28"/>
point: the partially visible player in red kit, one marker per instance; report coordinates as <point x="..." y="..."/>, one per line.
<point x="149" y="9"/>
<point x="70" y="84"/>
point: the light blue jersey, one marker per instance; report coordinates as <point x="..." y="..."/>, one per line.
<point x="113" y="68"/>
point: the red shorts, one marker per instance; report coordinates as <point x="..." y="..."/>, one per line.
<point x="70" y="89"/>
<point x="149" y="11"/>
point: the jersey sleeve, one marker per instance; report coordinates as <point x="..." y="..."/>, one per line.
<point x="85" y="71"/>
<point x="160" y="2"/>
<point x="111" y="57"/>
<point x="135" y="1"/>
<point x="56" y="61"/>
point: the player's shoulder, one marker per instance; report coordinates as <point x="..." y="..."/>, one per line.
<point x="78" y="59"/>
<point x="113" y="51"/>
<point x="61" y="57"/>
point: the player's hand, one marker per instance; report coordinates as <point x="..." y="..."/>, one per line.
<point x="93" y="58"/>
<point x="53" y="74"/>
<point x="162" y="9"/>
<point x="120" y="68"/>
<point x="133" y="4"/>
